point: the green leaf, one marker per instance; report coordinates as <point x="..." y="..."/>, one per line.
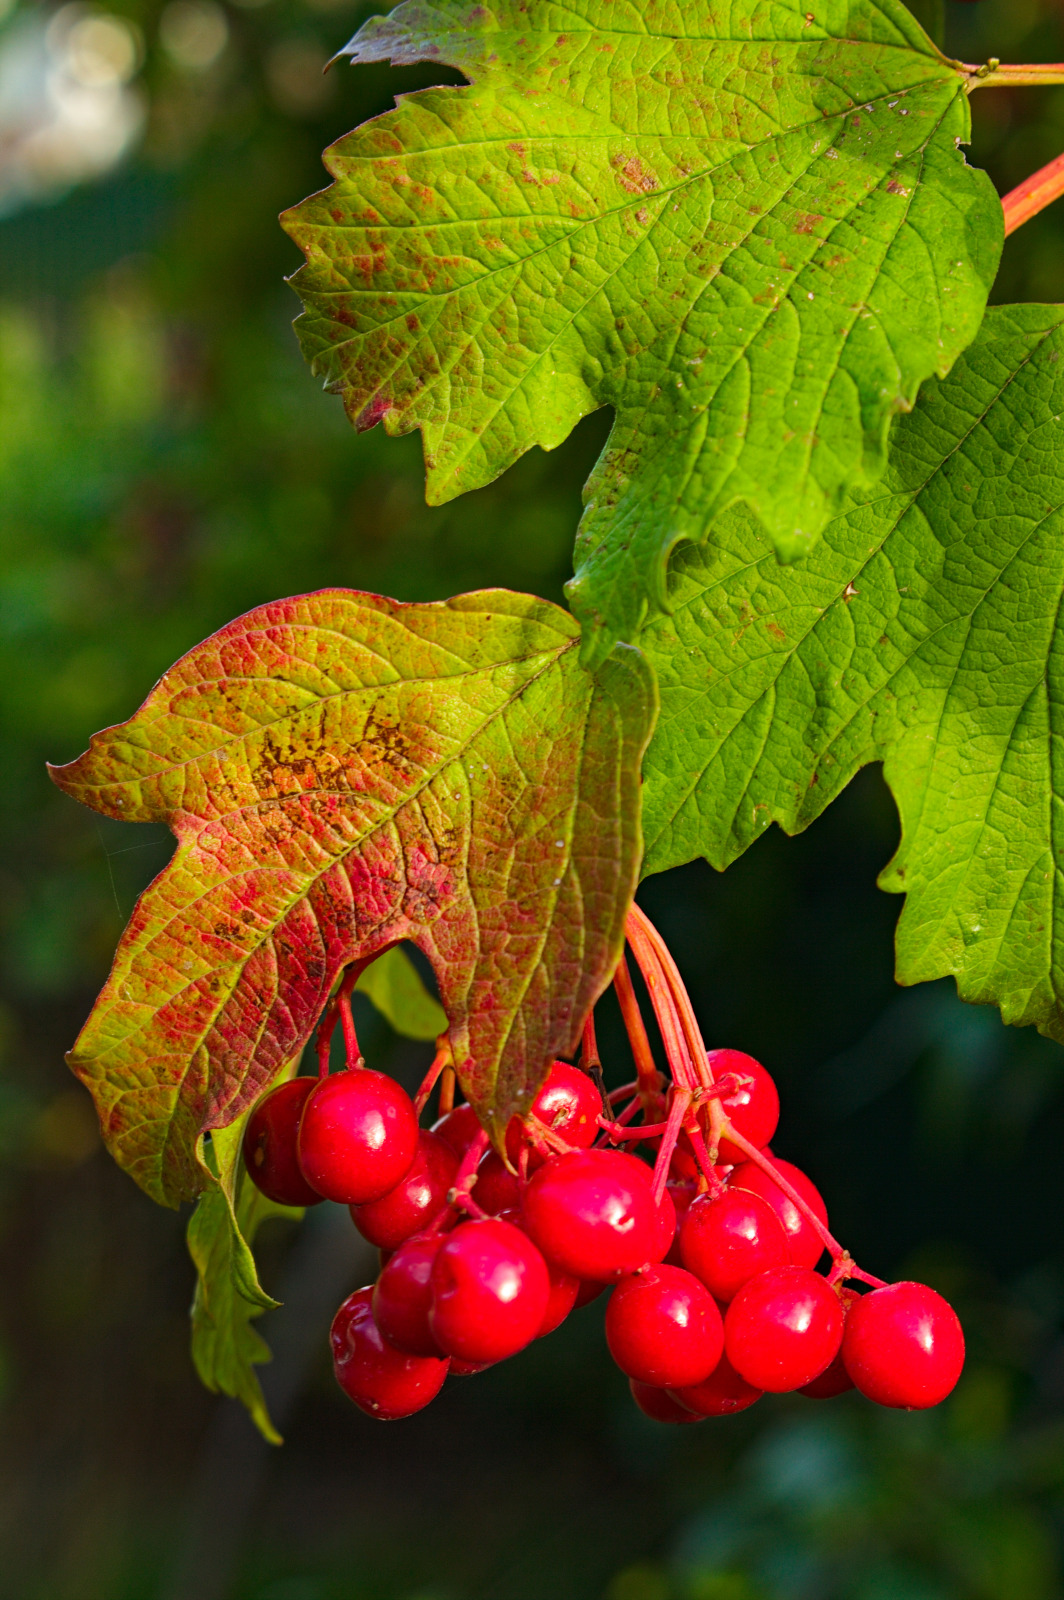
<point x="342" y="773"/>
<point x="748" y="228"/>
<point x="924" y="631"/>
<point x="394" y="985"/>
<point x="225" y="1347"/>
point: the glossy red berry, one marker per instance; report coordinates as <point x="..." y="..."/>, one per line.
<point x="659" y="1405"/>
<point x="802" y="1238"/>
<point x="904" y="1346"/>
<point x="402" y="1296"/>
<point x="754" y="1108"/>
<point x="415" y="1201"/>
<point x="682" y="1195"/>
<point x="834" y="1379"/>
<point x="593" y="1214"/>
<point x="727" y="1241"/>
<point x="458" y="1128"/>
<point x="357" y="1136"/>
<point x="568" y="1103"/>
<point x="587" y="1292"/>
<point x="719" y="1395"/>
<point x="490" y="1289"/>
<point x="562" y="1296"/>
<point x="270" y="1144"/>
<point x="663" y="1327"/>
<point x="496" y="1188"/>
<point x="783" y="1328"/>
<point x="381" y="1380"/>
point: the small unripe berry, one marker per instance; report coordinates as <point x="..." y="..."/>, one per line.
<point x="720" y="1395"/>
<point x="663" y="1327"/>
<point x="357" y="1137"/>
<point x="415" y="1201"/>
<point x="270" y="1144"/>
<point x="727" y="1241"/>
<point x="381" y="1380"/>
<point x="904" y="1346"/>
<point x="754" y="1108"/>
<point x="490" y="1289"/>
<point x="783" y="1328"/>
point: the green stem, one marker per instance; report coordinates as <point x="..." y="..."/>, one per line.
<point x="995" y="76"/>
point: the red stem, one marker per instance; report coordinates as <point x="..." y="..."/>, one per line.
<point x="649" y="1081"/>
<point x="441" y="1061"/>
<point x="1033" y="194"/>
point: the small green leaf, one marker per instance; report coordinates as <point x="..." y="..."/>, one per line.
<point x="344" y="772"/>
<point x="225" y="1347"/>
<point x="394" y="985"/>
<point x="748" y="228"/>
<point x="924" y="631"/>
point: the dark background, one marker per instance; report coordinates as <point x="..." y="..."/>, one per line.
<point x="166" y="462"/>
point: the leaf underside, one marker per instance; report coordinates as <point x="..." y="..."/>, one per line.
<point x="924" y="631"/>
<point x="343" y="772"/>
<point x="748" y="229"/>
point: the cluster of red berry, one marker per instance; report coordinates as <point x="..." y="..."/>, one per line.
<point x="712" y="1251"/>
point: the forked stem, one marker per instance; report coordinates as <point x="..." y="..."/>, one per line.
<point x="442" y="1062"/>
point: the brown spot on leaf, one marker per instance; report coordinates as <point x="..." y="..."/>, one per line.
<point x="634" y="176"/>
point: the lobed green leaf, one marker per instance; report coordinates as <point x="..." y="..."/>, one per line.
<point x="923" y="631"/>
<point x="748" y="228"/>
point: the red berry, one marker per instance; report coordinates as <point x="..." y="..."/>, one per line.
<point x="560" y="1300"/>
<point x="834" y="1379"/>
<point x="663" y="1327"/>
<point x="458" y="1128"/>
<point x="402" y="1296"/>
<point x="416" y="1199"/>
<point x="568" y="1104"/>
<point x="587" y="1292"/>
<point x="490" y="1289"/>
<point x="381" y="1380"/>
<point x="496" y="1188"/>
<point x="467" y="1369"/>
<point x="783" y="1328"/>
<point x="719" y="1395"/>
<point x="727" y="1241"/>
<point x="358" y="1136"/>
<point x="658" y="1404"/>
<point x="904" y="1346"/>
<point x="682" y="1195"/>
<point x="563" y="1288"/>
<point x="803" y="1241"/>
<point x="270" y="1144"/>
<point x="593" y="1214"/>
<point x="754" y="1108"/>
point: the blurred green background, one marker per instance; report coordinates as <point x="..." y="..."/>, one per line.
<point x="166" y="462"/>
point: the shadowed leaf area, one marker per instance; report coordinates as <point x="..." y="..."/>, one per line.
<point x="924" y="631"/>
<point x="749" y="230"/>
<point x="343" y="772"/>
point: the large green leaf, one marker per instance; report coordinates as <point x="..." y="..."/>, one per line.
<point x="343" y="772"/>
<point x="748" y="228"/>
<point x="225" y="1347"/>
<point x="394" y="985"/>
<point x="925" y="631"/>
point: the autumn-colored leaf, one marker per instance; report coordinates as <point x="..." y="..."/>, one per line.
<point x="343" y="772"/>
